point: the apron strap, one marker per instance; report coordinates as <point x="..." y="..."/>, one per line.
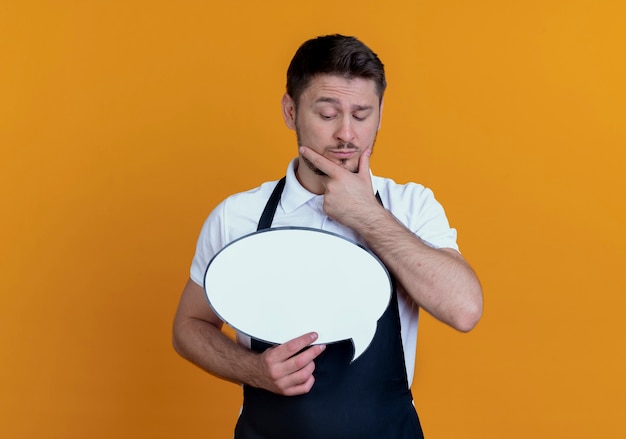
<point x="265" y="222"/>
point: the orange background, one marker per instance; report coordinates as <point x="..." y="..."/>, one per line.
<point x="122" y="124"/>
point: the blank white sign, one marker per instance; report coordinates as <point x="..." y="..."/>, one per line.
<point x="277" y="284"/>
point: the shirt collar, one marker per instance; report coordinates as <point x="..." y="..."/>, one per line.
<point x="294" y="194"/>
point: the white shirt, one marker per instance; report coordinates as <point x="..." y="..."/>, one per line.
<point x="238" y="215"/>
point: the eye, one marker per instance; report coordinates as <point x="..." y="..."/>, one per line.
<point x="327" y="116"/>
<point x="359" y="118"/>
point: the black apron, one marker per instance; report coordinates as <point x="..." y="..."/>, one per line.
<point x="368" y="398"/>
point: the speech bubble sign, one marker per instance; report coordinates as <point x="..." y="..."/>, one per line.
<point x="277" y="284"/>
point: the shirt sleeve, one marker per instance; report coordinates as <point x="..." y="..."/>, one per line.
<point x="435" y="229"/>
<point x="210" y="242"/>
<point x="425" y="216"/>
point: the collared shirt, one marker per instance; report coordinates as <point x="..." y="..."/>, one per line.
<point x="238" y="215"/>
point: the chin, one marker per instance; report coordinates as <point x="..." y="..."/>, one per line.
<point x="352" y="167"/>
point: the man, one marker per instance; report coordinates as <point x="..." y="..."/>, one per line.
<point x="334" y="102"/>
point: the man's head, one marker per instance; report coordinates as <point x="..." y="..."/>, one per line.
<point x="336" y="55"/>
<point x="334" y="102"/>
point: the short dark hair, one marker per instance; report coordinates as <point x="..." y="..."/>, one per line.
<point x="335" y="55"/>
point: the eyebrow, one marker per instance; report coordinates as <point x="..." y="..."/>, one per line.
<point x="337" y="102"/>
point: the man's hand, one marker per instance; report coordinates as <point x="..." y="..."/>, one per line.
<point x="349" y="197"/>
<point x="286" y="370"/>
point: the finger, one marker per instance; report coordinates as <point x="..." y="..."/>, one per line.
<point x="299" y="383"/>
<point x="320" y="162"/>
<point x="304" y="387"/>
<point x="299" y="371"/>
<point x="304" y="358"/>
<point x="364" y="163"/>
<point x="292" y="347"/>
<point x="299" y="368"/>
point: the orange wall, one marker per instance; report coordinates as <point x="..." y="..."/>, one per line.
<point x="123" y="123"/>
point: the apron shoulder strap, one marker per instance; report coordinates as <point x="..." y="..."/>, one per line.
<point x="265" y="222"/>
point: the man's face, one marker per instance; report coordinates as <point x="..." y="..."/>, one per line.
<point x="336" y="117"/>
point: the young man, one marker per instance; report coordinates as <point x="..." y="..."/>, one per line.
<point x="334" y="102"/>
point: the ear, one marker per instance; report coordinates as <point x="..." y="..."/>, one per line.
<point x="380" y="115"/>
<point x="289" y="111"/>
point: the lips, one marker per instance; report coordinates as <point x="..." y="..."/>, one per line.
<point x="343" y="153"/>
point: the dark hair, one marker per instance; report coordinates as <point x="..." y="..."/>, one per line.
<point x="334" y="55"/>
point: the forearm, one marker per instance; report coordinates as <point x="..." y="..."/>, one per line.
<point x="206" y="346"/>
<point x="438" y="280"/>
<point x="286" y="369"/>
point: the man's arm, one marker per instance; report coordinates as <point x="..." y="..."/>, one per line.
<point x="197" y="336"/>
<point x="438" y="280"/>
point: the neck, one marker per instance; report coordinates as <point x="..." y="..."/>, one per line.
<point x="311" y="181"/>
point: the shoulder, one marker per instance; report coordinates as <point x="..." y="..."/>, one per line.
<point x="415" y="206"/>
<point x="407" y="196"/>
<point x="239" y="213"/>
<point x="243" y="201"/>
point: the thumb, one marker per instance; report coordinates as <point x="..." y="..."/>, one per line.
<point x="364" y="162"/>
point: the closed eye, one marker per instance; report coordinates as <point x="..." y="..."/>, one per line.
<point x="361" y="115"/>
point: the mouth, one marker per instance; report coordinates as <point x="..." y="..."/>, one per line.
<point x="343" y="154"/>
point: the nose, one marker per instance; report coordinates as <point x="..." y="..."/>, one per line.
<point x="345" y="132"/>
